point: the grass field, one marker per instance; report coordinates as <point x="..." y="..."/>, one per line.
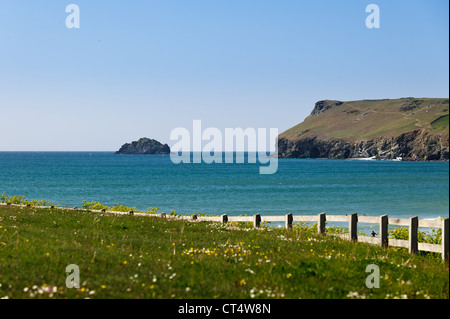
<point x="124" y="256"/>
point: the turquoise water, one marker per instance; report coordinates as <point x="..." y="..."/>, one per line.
<point x="301" y="186"/>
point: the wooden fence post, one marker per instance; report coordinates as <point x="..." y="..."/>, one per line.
<point x="413" y="231"/>
<point x="289" y="220"/>
<point x="256" y="220"/>
<point x="384" y="222"/>
<point x="353" y="226"/>
<point x="445" y="239"/>
<point x="224" y="218"/>
<point x="321" y="223"/>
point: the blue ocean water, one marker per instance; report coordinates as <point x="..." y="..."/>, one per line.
<point x="300" y="186"/>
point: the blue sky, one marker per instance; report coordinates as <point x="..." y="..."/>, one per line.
<point x="142" y="68"/>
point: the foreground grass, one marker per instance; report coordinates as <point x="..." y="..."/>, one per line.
<point x="122" y="256"/>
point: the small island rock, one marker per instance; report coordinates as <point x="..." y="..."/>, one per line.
<point x="144" y="146"/>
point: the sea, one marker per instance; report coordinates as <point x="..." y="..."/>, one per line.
<point x="300" y="186"/>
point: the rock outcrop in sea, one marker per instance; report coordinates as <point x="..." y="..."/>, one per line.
<point x="144" y="146"/>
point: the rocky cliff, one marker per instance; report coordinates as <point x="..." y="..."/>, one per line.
<point x="144" y="146"/>
<point x="413" y="129"/>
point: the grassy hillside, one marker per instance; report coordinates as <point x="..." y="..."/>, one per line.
<point x="124" y="256"/>
<point x="366" y="119"/>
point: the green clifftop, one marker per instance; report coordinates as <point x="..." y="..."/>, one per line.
<point x="411" y="128"/>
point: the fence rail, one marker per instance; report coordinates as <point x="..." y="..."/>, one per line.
<point x="413" y="224"/>
<point x="384" y="221"/>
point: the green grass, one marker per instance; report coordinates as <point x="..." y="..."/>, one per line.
<point x="366" y="119"/>
<point x="441" y="123"/>
<point x="124" y="256"/>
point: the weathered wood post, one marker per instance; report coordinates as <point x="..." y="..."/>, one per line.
<point x="321" y="223"/>
<point x="224" y="218"/>
<point x="353" y="227"/>
<point x="289" y="219"/>
<point x="163" y="215"/>
<point x="384" y="222"/>
<point x="413" y="238"/>
<point x="256" y="220"/>
<point x="445" y="253"/>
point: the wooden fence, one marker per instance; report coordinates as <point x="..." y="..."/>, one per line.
<point x="353" y="220"/>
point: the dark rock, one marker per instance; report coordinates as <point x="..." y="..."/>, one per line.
<point x="417" y="145"/>
<point x="324" y="105"/>
<point x="144" y="146"/>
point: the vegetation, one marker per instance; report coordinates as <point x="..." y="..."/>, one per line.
<point x="124" y="256"/>
<point x="116" y="207"/>
<point x="366" y="119"/>
<point x="441" y="123"/>
<point x="434" y="236"/>
<point x="21" y="200"/>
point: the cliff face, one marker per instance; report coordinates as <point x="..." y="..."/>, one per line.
<point x="412" y="129"/>
<point x="412" y="146"/>
<point x="144" y="146"/>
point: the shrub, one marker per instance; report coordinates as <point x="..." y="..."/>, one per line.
<point x="432" y="237"/>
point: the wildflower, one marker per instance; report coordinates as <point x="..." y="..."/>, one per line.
<point x="103" y="286"/>
<point x="250" y="271"/>
<point x="124" y="262"/>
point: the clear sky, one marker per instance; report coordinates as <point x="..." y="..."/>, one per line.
<point x="142" y="68"/>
